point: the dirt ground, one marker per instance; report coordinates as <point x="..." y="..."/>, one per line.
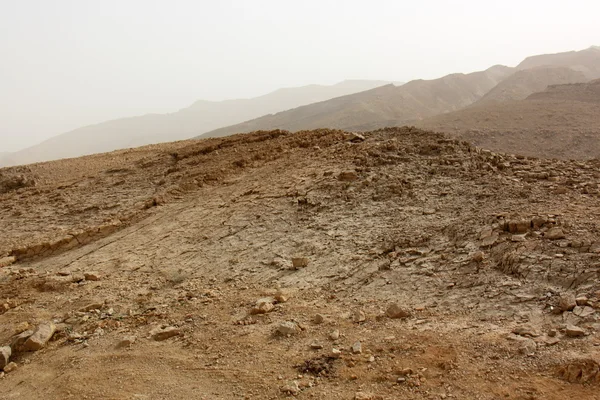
<point x="313" y="265"/>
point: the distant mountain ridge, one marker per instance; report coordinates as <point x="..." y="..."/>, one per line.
<point x="562" y="121"/>
<point x="525" y="82"/>
<point x="381" y="106"/>
<point x="200" y="117"/>
<point x="418" y="100"/>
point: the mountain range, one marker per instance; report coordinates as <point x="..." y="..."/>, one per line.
<point x="200" y="117"/>
<point x="421" y="99"/>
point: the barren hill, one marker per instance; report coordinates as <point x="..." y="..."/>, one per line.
<point x="562" y="121"/>
<point x="413" y="100"/>
<point x="587" y="61"/>
<point x="525" y="82"/>
<point x="586" y="92"/>
<point x="313" y="265"/>
<point x="200" y="117"/>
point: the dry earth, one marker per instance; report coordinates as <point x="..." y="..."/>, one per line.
<point x="167" y="271"/>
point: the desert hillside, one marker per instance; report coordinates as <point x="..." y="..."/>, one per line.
<point x="320" y="264"/>
<point x="561" y="122"/>
<point x="413" y="100"/>
<point x="523" y="83"/>
<point x="586" y="61"/>
<point x="200" y="117"/>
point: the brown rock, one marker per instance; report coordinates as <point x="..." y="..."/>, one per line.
<point x="11" y="366"/>
<point x="319" y="319"/>
<point x="359" y="316"/>
<point x="93" y="306"/>
<point x="127" y="341"/>
<point x="91" y="276"/>
<point x="160" y="334"/>
<point x="521" y="226"/>
<point x="6" y="261"/>
<point x="566" y="302"/>
<point x="574" y="331"/>
<point x="395" y="311"/>
<point x="357" y="348"/>
<point x="263" y="306"/>
<point x="348" y="176"/>
<point x="282" y="296"/>
<point x="40" y="337"/>
<point x="287" y="328"/>
<point x="5" y="353"/>
<point x="554" y="234"/>
<point x="299" y="262"/>
<point x="19" y="341"/>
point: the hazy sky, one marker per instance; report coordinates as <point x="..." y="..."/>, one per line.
<point x="68" y="63"/>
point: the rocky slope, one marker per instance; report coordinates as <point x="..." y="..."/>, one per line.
<point x="320" y="264"/>
<point x="526" y="82"/>
<point x="200" y="117"/>
<point x="561" y="122"/>
<point x="586" y="61"/>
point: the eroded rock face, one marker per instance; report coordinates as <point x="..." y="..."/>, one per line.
<point x="583" y="370"/>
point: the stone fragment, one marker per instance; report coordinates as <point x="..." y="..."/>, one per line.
<point x="299" y="262"/>
<point x="315" y="345"/>
<point x="126" y="341"/>
<point x="91" y="276"/>
<point x="490" y="240"/>
<point x="334" y="335"/>
<point x="359" y="316"/>
<point x="396" y="311"/>
<point x="355" y="137"/>
<point x="160" y="334"/>
<point x="6" y="261"/>
<point x="5" y="353"/>
<point x="582" y="301"/>
<point x="525" y="330"/>
<point x="583" y="312"/>
<point x="335" y="353"/>
<point x="363" y="396"/>
<point x="11" y="366"/>
<point x="566" y="302"/>
<point x="574" y="331"/>
<point x="319" y="319"/>
<point x="291" y="388"/>
<point x="19" y="341"/>
<point x="478" y="256"/>
<point x="554" y="234"/>
<point x="527" y="346"/>
<point x="282" y="296"/>
<point x="263" y="306"/>
<point x="287" y="328"/>
<point x="357" y="348"/>
<point x="521" y="226"/>
<point x="40" y="337"/>
<point x="91" y="307"/>
<point x="347" y="176"/>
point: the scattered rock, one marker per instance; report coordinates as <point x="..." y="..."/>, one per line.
<point x="319" y="319"/>
<point x="551" y="341"/>
<point x="316" y="345"/>
<point x="526" y="331"/>
<point x="291" y="388"/>
<point x="348" y="176"/>
<point x="583" y="312"/>
<point x="582" y="301"/>
<point x="160" y="334"/>
<point x="299" y="262"/>
<point x="6" y="261"/>
<point x="574" y="331"/>
<point x="335" y="353"/>
<point x="521" y="226"/>
<point x="395" y="311"/>
<point x="18" y="342"/>
<point x="11" y="366"/>
<point x="282" y="296"/>
<point x="527" y="346"/>
<point x="126" y="342"/>
<point x="490" y="240"/>
<point x="5" y="353"/>
<point x="40" y="337"/>
<point x="359" y="316"/>
<point x="478" y="256"/>
<point x="566" y="302"/>
<point x="355" y="137"/>
<point x="363" y="396"/>
<point x="91" y="307"/>
<point x="263" y="306"/>
<point x="91" y="276"/>
<point x="357" y="348"/>
<point x="334" y="335"/>
<point x="287" y="328"/>
<point x="554" y="234"/>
